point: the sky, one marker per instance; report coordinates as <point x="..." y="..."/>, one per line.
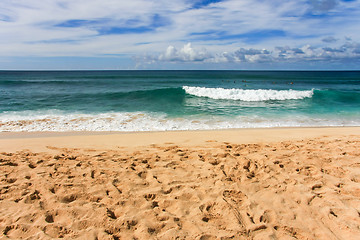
<point x="181" y="34"/>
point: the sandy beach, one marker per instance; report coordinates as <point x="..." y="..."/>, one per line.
<point x="285" y="183"/>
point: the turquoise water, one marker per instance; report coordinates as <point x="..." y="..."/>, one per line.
<point x="176" y="100"/>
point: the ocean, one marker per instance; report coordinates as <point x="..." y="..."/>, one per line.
<point x="176" y="100"/>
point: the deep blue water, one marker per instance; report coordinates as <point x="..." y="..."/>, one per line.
<point x="174" y="100"/>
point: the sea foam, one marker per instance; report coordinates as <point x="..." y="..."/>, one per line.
<point x="58" y="121"/>
<point x="247" y="95"/>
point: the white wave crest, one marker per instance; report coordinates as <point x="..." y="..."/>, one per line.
<point x="247" y="95"/>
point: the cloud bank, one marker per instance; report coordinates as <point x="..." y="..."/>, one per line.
<point x="348" y="50"/>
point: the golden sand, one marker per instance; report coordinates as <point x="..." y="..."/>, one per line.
<point x="301" y="183"/>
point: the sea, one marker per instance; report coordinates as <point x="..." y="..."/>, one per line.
<point x="133" y="101"/>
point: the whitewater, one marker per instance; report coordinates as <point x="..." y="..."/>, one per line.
<point x="252" y="95"/>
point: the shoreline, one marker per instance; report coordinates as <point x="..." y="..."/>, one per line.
<point x="40" y="141"/>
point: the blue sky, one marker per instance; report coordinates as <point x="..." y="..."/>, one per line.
<point x="182" y="34"/>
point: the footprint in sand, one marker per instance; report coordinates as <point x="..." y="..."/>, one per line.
<point x="49" y="218"/>
<point x="235" y="199"/>
<point x="150" y="196"/>
<point x="252" y="221"/>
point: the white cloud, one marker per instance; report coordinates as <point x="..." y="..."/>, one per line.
<point x="185" y="54"/>
<point x="349" y="50"/>
<point x="226" y="31"/>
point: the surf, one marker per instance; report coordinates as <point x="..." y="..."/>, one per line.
<point x="248" y="95"/>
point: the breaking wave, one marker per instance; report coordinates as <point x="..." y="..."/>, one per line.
<point x="247" y="95"/>
<point x="58" y="121"/>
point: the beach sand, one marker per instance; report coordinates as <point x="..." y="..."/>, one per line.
<point x="286" y="183"/>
